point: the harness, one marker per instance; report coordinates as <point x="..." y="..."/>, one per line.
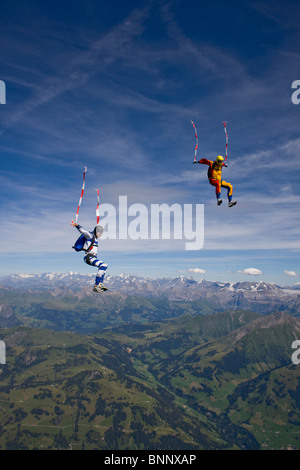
<point x="210" y="170"/>
<point x="79" y="244"/>
<point x="90" y="256"/>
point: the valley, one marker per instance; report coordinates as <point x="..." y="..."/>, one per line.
<point x="137" y="372"/>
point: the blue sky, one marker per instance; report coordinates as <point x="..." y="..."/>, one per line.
<point x="114" y="87"/>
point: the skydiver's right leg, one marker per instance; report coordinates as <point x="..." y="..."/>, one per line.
<point x="102" y="267"/>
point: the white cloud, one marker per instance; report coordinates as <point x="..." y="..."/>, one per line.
<point x="251" y="272"/>
<point x="197" y="271"/>
<point x="291" y="273"/>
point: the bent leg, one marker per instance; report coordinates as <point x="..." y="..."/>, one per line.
<point x="229" y="188"/>
<point x="217" y="185"/>
<point x="102" y="267"/>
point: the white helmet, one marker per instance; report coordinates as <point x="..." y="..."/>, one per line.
<point x="98" y="230"/>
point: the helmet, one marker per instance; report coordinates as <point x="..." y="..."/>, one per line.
<point x="219" y="159"/>
<point x="98" y="230"/>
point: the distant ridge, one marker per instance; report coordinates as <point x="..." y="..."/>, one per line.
<point x="261" y="297"/>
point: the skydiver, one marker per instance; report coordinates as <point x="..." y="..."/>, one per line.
<point x="91" y="248"/>
<point x="214" y="174"/>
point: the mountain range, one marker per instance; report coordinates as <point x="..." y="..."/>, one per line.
<point x="261" y="297"/>
<point x="149" y="364"/>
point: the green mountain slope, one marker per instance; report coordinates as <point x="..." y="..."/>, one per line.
<point x="62" y="390"/>
<point x="229" y="367"/>
<point x="241" y="376"/>
<point x="196" y="382"/>
<point x="82" y="313"/>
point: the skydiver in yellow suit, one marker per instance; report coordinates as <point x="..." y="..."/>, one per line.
<point x="215" y="178"/>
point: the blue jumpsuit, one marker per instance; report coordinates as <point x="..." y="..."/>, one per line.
<point x="91" y="254"/>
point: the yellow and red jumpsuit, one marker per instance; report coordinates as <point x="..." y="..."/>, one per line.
<point x="214" y="174"/>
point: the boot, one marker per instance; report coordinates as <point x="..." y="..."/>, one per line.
<point x="99" y="288"/>
<point x="232" y="203"/>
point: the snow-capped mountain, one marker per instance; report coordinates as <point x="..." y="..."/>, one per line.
<point x="48" y="280"/>
<point x="130" y="283"/>
<point x="262" y="297"/>
<point x="180" y="288"/>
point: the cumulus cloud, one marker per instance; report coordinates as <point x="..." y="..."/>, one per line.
<point x="291" y="273"/>
<point x="251" y="272"/>
<point x="196" y="271"/>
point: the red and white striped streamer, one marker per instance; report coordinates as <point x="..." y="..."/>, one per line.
<point x="81" y="196"/>
<point x="97" y="208"/>
<point x="196" y="135"/>
<point x="226" y="155"/>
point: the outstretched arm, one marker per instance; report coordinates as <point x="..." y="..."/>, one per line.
<point x="205" y="161"/>
<point x="82" y="230"/>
